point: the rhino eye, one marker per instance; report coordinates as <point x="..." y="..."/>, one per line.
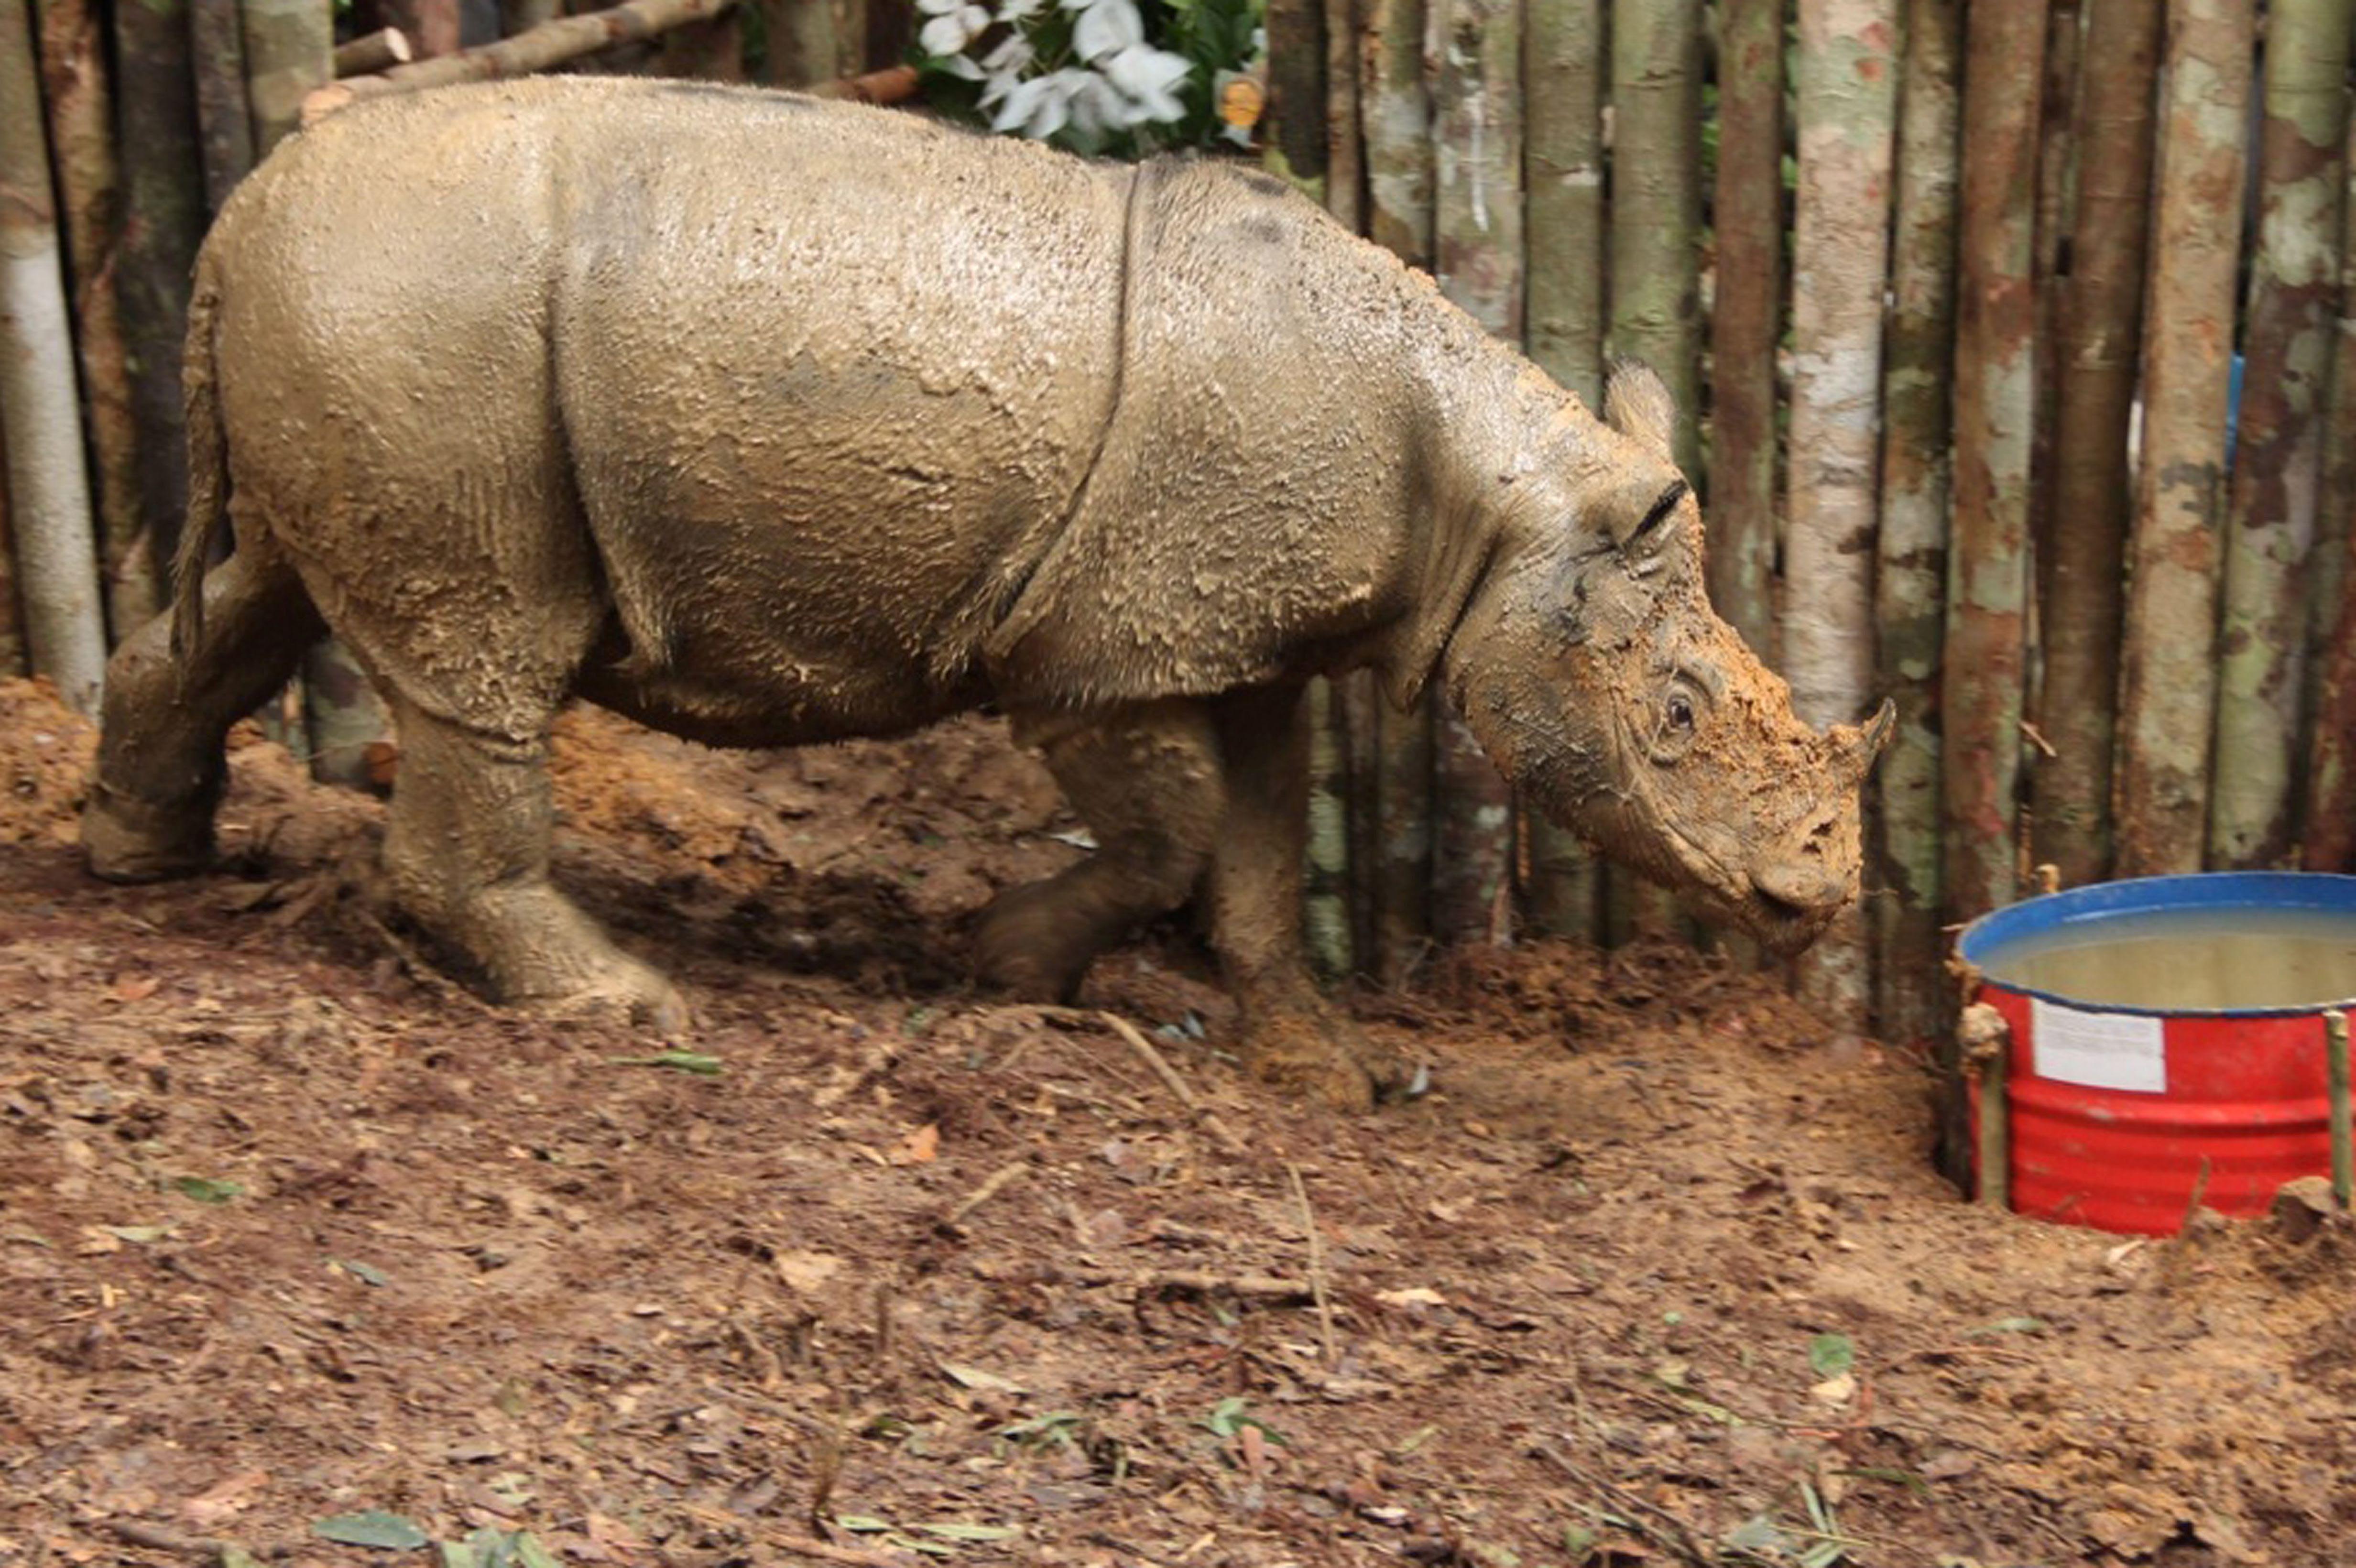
<point x="1679" y="716"/>
<point x="1680" y="712"/>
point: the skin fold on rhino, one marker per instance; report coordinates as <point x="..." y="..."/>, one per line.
<point x="766" y="421"/>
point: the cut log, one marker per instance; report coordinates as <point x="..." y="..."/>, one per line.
<point x="551" y="44"/>
<point x="372" y="52"/>
<point x="40" y="421"/>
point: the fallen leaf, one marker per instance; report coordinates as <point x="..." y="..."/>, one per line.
<point x="1836" y="1391"/>
<point x="137" y="987"/>
<point x="1413" y="1295"/>
<point x="975" y="1378"/>
<point x="204" y="1189"/>
<point x="805" y="1272"/>
<point x="210" y="1508"/>
<point x="385" y="1532"/>
<point x="920" y="1146"/>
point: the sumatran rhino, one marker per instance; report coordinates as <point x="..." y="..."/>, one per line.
<point x="768" y="421"/>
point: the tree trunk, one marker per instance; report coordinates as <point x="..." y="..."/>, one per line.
<point x="1655" y="277"/>
<point x="2169" y="672"/>
<point x="1478" y="230"/>
<point x="1398" y="110"/>
<point x="1341" y="795"/>
<point x="1562" y="73"/>
<point x="1910" y="589"/>
<point x="2278" y="453"/>
<point x="217" y="42"/>
<point x="40" y="424"/>
<point x="1995" y="402"/>
<point x="2099" y="323"/>
<point x="289" y="53"/>
<point x="1746" y="318"/>
<point x="1848" y="116"/>
<point x="163" y="191"/>
<point x="2328" y="843"/>
<point x="803" y="47"/>
<point x="73" y="54"/>
<point x="2056" y="174"/>
<point x="1296" y="90"/>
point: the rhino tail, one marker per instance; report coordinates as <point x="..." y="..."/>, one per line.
<point x="208" y="467"/>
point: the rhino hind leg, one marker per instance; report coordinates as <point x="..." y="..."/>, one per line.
<point x="163" y="720"/>
<point x="466" y="856"/>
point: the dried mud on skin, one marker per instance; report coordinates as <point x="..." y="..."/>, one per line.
<point x="476" y="1273"/>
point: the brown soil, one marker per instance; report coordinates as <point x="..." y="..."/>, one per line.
<point x="918" y="1270"/>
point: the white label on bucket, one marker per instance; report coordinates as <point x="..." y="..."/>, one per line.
<point x="2098" y="1051"/>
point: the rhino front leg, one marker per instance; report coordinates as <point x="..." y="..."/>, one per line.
<point x="466" y="852"/>
<point x="1147" y="782"/>
<point x="1293" y="1037"/>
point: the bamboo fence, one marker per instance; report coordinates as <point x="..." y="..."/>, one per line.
<point x="1951" y="297"/>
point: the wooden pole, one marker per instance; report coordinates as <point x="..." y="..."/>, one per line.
<point x="1746" y="319"/>
<point x="1995" y="360"/>
<point x="162" y="218"/>
<point x="2169" y="666"/>
<point x="12" y="630"/>
<point x="81" y="130"/>
<point x="2343" y="1143"/>
<point x="289" y="52"/>
<point x="1295" y="124"/>
<point x="1345" y="171"/>
<point x="1478" y="232"/>
<point x="1326" y="901"/>
<point x="2270" y="521"/>
<point x="1562" y="74"/>
<point x="2329" y="840"/>
<point x="1848" y="118"/>
<point x="1910" y="565"/>
<point x="1655" y="265"/>
<point x="40" y="422"/>
<point x="217" y="44"/>
<point x="2098" y="324"/>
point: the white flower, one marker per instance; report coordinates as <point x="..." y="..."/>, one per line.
<point x="1147" y="76"/>
<point x="1098" y="107"/>
<point x="1041" y="106"/>
<point x="1107" y="25"/>
<point x="1016" y="10"/>
<point x="954" y="26"/>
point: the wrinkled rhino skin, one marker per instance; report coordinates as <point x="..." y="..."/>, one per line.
<point x="766" y="421"/>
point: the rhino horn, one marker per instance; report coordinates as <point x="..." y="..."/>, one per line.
<point x="1855" y="746"/>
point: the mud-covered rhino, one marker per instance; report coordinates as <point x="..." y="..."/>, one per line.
<point x="766" y="421"/>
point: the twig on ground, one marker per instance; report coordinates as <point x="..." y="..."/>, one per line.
<point x="1153" y="1058"/>
<point x="1670" y="1531"/>
<point x="827" y="1552"/>
<point x="996" y="1182"/>
<point x="1197" y="1281"/>
<point x="164" y="1538"/>
<point x="1316" y="1269"/>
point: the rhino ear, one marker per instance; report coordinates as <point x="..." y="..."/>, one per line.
<point x="1638" y="406"/>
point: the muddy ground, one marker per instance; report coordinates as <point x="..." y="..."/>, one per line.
<point x="292" y="1228"/>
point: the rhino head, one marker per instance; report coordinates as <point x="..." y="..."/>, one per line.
<point x="1592" y="667"/>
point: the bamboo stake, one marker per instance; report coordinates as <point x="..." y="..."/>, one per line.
<point x="81" y="129"/>
<point x="804" y="50"/>
<point x="1746" y="319"/>
<point x="1985" y="1050"/>
<point x="289" y="51"/>
<point x="2168" y="670"/>
<point x="164" y="191"/>
<point x="2343" y="1142"/>
<point x="40" y="424"/>
<point x="1909" y="586"/>
<point x="1654" y="272"/>
<point x="1848" y="118"/>
<point x="372" y="52"/>
<point x="1477" y="228"/>
<point x="1562" y="74"/>
<point x="2099" y="321"/>
<point x="2278" y="453"/>
<point x="12" y="630"/>
<point x="1987" y="563"/>
<point x="1326" y="912"/>
<point x="217" y="44"/>
<point x="551" y="44"/>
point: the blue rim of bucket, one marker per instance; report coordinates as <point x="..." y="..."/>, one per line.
<point x="2156" y="895"/>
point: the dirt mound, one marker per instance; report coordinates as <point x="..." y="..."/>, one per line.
<point x="293" y="1229"/>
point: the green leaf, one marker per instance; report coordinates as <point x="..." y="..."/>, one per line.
<point x="454" y="1554"/>
<point x="530" y="1554"/>
<point x="238" y="1557"/>
<point x="385" y="1531"/>
<point x="367" y="1274"/>
<point x="1830" y="1355"/>
<point x="205" y="1191"/>
<point x="2007" y="1326"/>
<point x="951" y="1529"/>
<point x="1578" y="1542"/>
<point x="678" y="1061"/>
<point x="864" y="1524"/>
<point x="137" y="1234"/>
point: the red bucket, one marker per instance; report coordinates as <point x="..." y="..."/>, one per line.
<point x="2117" y="1112"/>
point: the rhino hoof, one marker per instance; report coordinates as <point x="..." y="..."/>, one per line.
<point x="126" y="839"/>
<point x="634" y="994"/>
<point x="1028" y="947"/>
<point x="1300" y="1055"/>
